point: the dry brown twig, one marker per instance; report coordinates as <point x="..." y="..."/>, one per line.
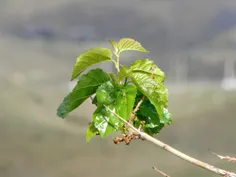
<point x="161" y="172"/>
<point x="228" y="158"/>
<point x="175" y="152"/>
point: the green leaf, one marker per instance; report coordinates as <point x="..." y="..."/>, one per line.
<point x="115" y="45"/>
<point x="86" y="86"/>
<point x="89" y="58"/>
<point x="148" y="67"/>
<point x="106" y="93"/>
<point x="129" y="44"/>
<point x="147" y="112"/>
<point x="125" y="101"/>
<point x="123" y="73"/>
<point x="114" y="79"/>
<point x="91" y="131"/>
<point x="123" y="98"/>
<point x="120" y="100"/>
<point x="166" y="116"/>
<point x="105" y="121"/>
<point x="149" y="79"/>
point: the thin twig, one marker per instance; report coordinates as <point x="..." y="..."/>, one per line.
<point x="177" y="153"/>
<point x="132" y="116"/>
<point x="129" y="124"/>
<point x="228" y="158"/>
<point x="138" y="105"/>
<point x="161" y="172"/>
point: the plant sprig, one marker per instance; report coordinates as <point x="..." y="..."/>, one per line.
<point x="136" y="93"/>
<point x="134" y="101"/>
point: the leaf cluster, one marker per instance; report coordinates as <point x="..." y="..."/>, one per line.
<point x="136" y="93"/>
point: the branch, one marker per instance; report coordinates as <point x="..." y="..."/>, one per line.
<point x="188" y="158"/>
<point x="129" y="124"/>
<point x="159" y="171"/>
<point x="132" y="116"/>
<point x="138" y="105"/>
<point x="175" y="152"/>
<point x="228" y="158"/>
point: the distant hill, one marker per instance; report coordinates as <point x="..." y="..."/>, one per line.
<point x="163" y="26"/>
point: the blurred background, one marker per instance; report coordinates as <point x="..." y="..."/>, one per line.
<point x="194" y="43"/>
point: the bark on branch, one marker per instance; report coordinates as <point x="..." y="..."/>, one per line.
<point x="175" y="152"/>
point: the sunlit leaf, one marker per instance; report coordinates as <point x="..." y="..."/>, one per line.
<point x="129" y="44"/>
<point x="166" y="116"/>
<point x="86" y="86"/>
<point x="148" y="67"/>
<point x="105" y="121"/>
<point x="89" y="58"/>
<point x="106" y="93"/>
<point x="91" y="131"/>
<point x="114" y="45"/>
<point x="123" y="73"/>
<point x="149" y="79"/>
<point x="125" y="101"/>
<point x="121" y="100"/>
